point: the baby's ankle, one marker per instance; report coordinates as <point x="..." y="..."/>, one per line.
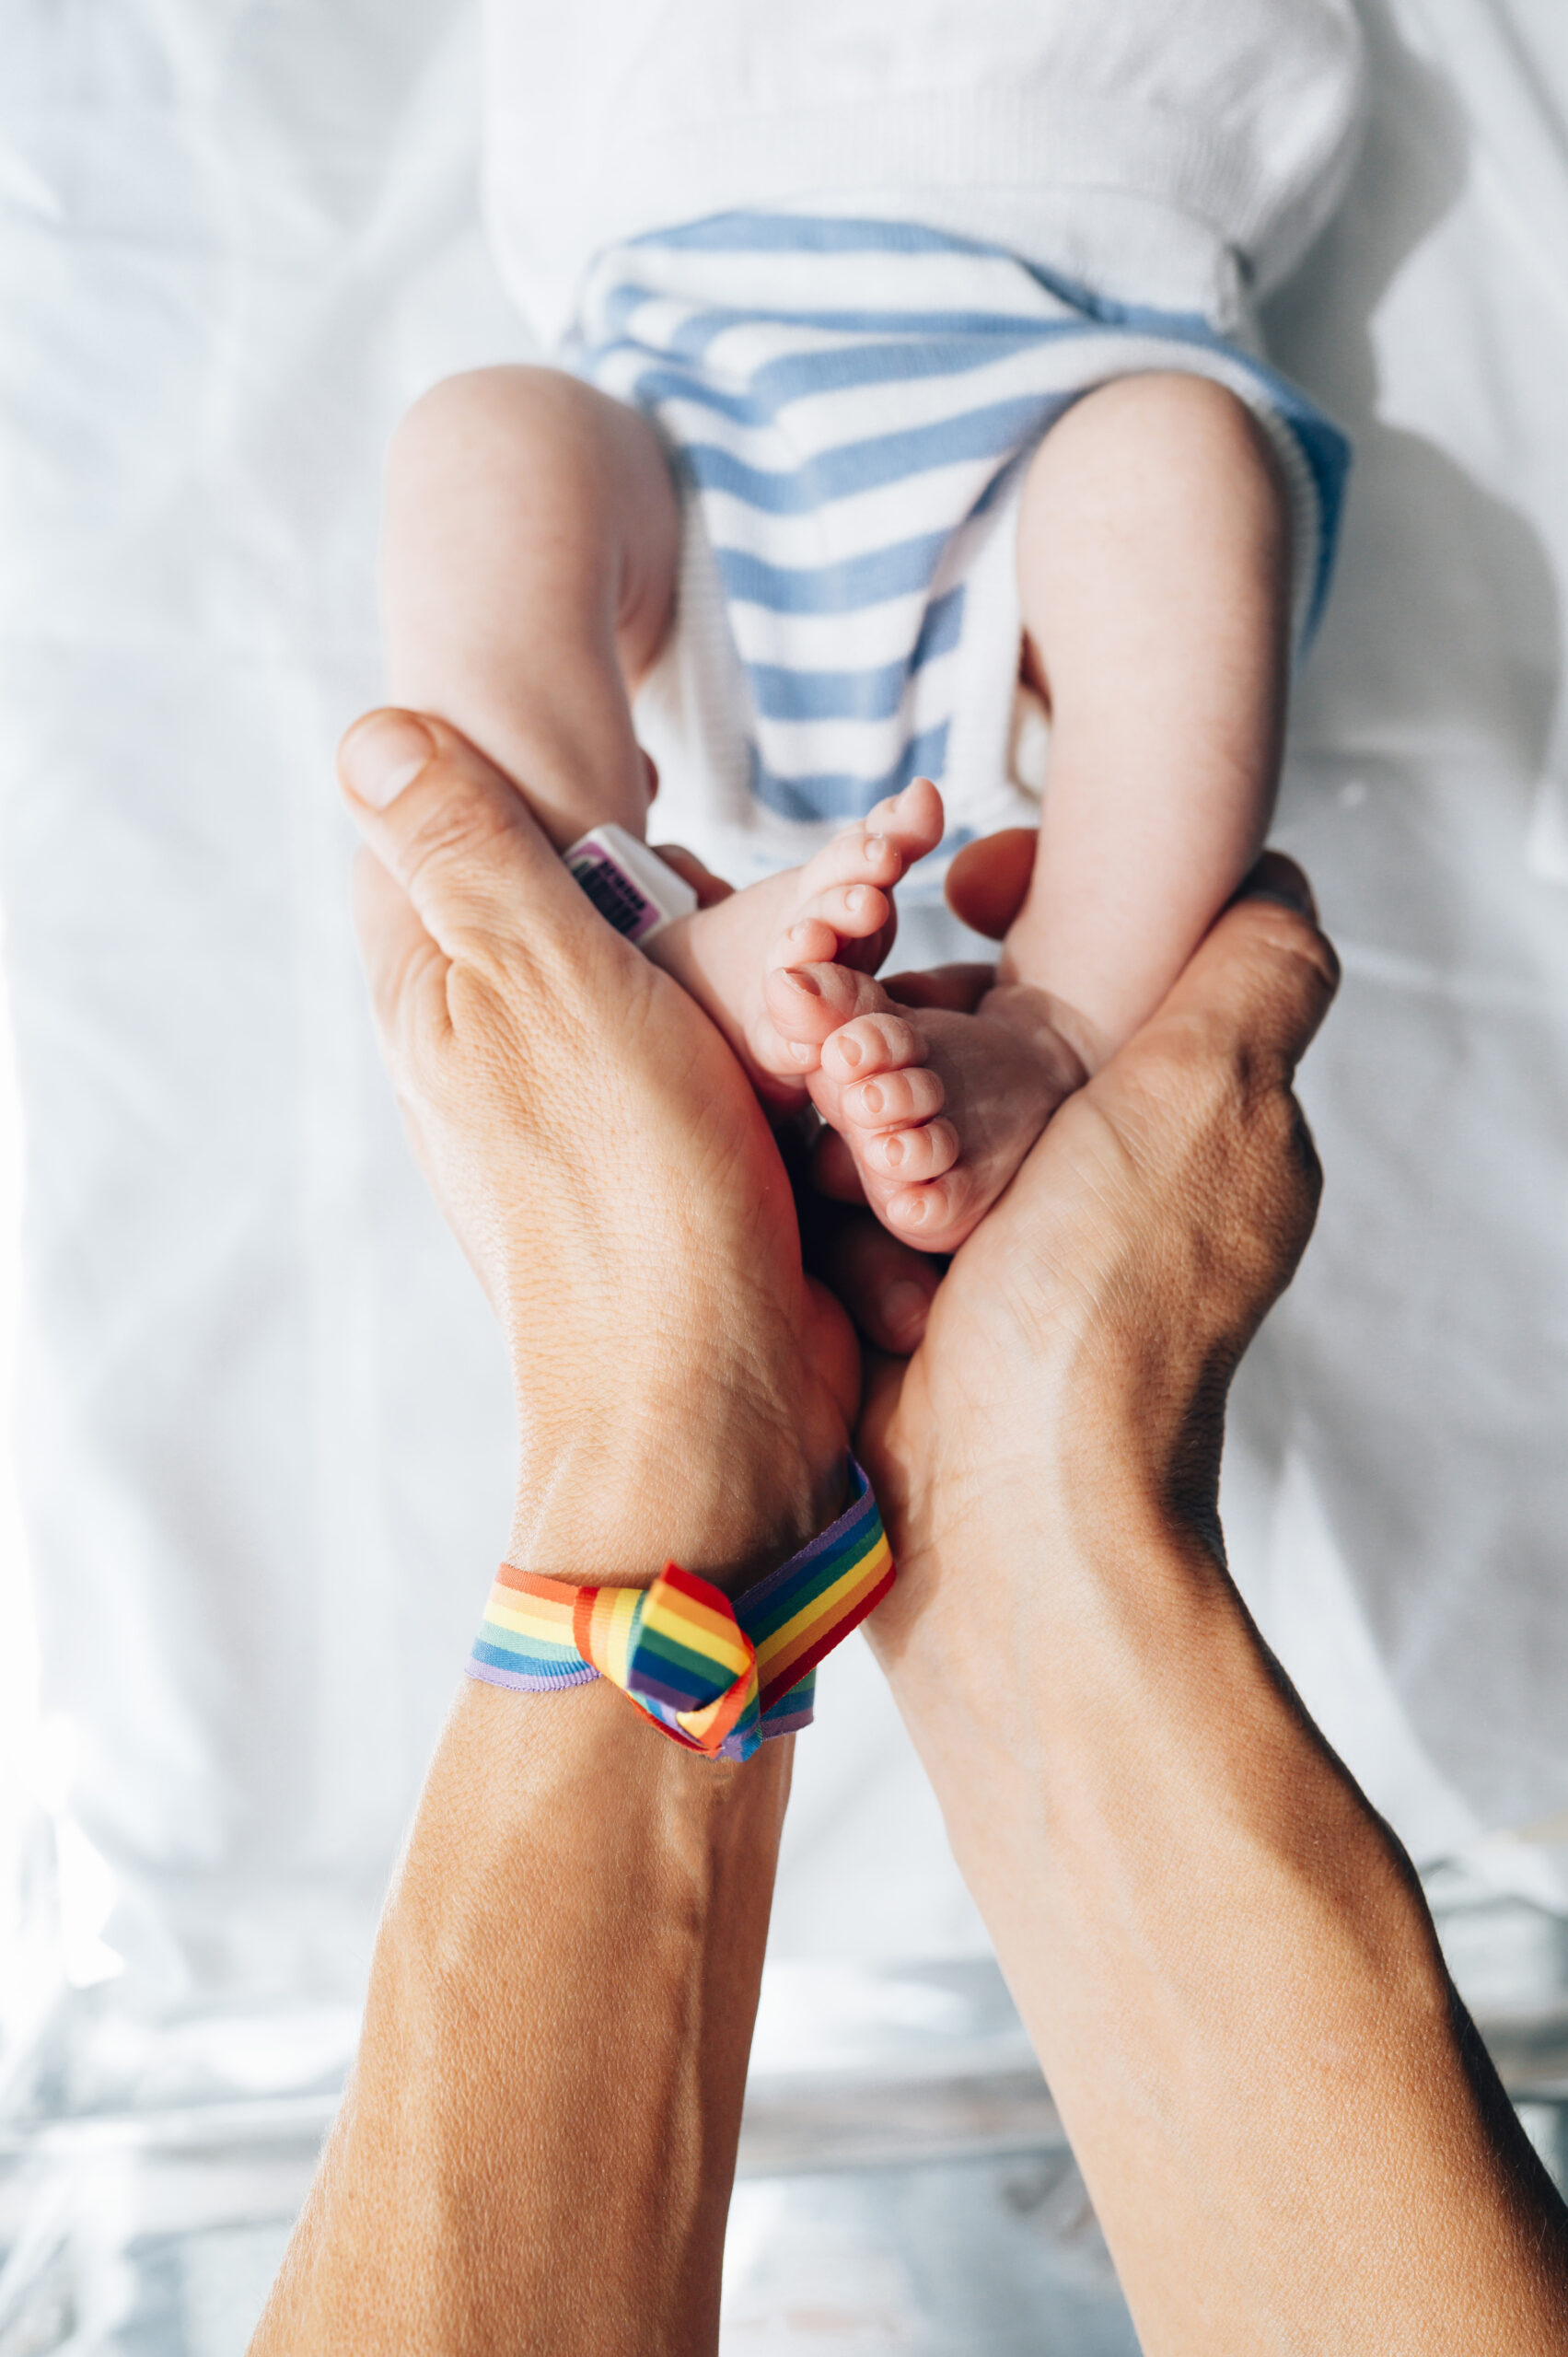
<point x="1063" y="1015"/>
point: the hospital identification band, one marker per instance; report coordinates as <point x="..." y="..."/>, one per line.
<point x="716" y="1675"/>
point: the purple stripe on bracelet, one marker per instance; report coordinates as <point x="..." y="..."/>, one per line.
<point x="484" y="1664"/>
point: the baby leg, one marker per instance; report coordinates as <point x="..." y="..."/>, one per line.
<point x="531" y="542"/>
<point x="1153" y="562"/>
<point x="529" y="562"/>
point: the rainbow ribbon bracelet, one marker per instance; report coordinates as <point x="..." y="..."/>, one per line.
<point x="716" y="1675"/>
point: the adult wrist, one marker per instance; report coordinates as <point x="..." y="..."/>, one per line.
<point x="725" y="1488"/>
<point x="720" y="1672"/>
<point x="1108" y="1432"/>
<point x="1052" y="1535"/>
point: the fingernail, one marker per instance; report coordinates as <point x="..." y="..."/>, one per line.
<point x="1301" y="902"/>
<point x="803" y="982"/>
<point x="381" y="754"/>
<point x="874" y="846"/>
<point x="849" y="1051"/>
<point x="904" y="1307"/>
<point x="1279" y="879"/>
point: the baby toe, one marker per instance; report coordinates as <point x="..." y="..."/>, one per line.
<point x="870" y="1043"/>
<point x="895" y="1100"/>
<point x="861" y="855"/>
<point x="810" y="1001"/>
<point x="917" y="819"/>
<point x="938" y="1216"/>
<point x="854" y="910"/>
<point x="809" y="942"/>
<point x="912" y="1157"/>
<point x="920" y="1215"/>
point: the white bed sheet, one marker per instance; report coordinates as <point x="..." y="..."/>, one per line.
<point x="264" y="1448"/>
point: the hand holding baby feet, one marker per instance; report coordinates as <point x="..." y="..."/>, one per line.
<point x="933" y="1107"/>
<point x="836" y="909"/>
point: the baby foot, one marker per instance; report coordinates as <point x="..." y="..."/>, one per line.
<point x="935" y="1108"/>
<point x="836" y="908"/>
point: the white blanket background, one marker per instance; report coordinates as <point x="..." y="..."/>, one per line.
<point x="265" y="1442"/>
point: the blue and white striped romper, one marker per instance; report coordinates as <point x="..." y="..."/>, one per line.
<point x="851" y="406"/>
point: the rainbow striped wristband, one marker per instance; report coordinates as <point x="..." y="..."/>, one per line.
<point x="717" y="1677"/>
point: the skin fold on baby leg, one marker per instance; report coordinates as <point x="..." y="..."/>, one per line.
<point x="1153" y="564"/>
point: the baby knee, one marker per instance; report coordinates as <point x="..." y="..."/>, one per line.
<point x="476" y="421"/>
<point x="1168" y="449"/>
<point x="1185" y="422"/>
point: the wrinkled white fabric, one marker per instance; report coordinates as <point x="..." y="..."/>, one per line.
<point x="266" y="1446"/>
<point x="1141" y="137"/>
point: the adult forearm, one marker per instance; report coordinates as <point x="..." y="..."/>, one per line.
<point x="535" y="2148"/>
<point x="1221" y="1953"/>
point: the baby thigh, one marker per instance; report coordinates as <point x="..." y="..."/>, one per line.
<point x="1153" y="568"/>
<point x="530" y="550"/>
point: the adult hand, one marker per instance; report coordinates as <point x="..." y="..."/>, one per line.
<point x="1128" y="1266"/>
<point x="1291" y="2133"/>
<point x="536" y="2144"/>
<point x="887" y="1285"/>
<point x="609" y="1172"/>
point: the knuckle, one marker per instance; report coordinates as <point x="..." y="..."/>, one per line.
<point x="1238" y="1157"/>
<point x="1299" y="950"/>
<point x="1301" y="947"/>
<point x="449" y="827"/>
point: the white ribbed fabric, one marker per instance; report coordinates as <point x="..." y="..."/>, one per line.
<point x="1171" y="144"/>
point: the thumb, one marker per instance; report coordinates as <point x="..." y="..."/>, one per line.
<point x="988" y="880"/>
<point x="459" y="839"/>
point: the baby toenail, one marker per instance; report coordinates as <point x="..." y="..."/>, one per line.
<point x="871" y="1098"/>
<point x="894" y="1153"/>
<point x="850" y="1051"/>
<point x="803" y="982"/>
